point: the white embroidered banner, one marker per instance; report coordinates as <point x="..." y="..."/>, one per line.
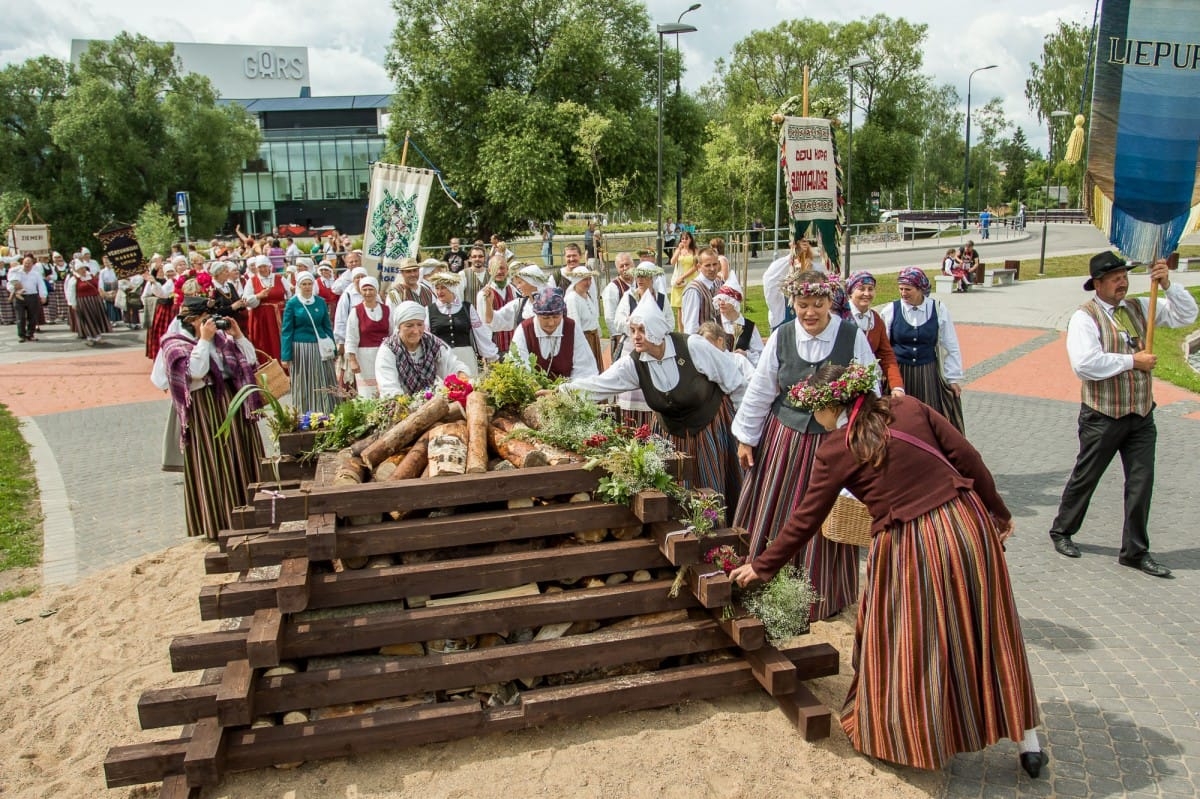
<point x="395" y="214"/>
<point x="806" y="144"/>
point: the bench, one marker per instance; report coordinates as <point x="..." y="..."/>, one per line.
<point x="943" y="284"/>
<point x="999" y="277"/>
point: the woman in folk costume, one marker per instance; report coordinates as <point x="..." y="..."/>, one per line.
<point x="778" y="442"/>
<point x="742" y="337"/>
<point x="411" y="359"/>
<point x="265" y="294"/>
<point x="647" y="278"/>
<point x="583" y="308"/>
<point x="685" y="270"/>
<point x="457" y="323"/>
<point x="939" y="663"/>
<point x="203" y="368"/>
<point x="160" y="286"/>
<point x="495" y="293"/>
<point x="556" y="342"/>
<point x="528" y="280"/>
<point x="860" y="287"/>
<point x="91" y="320"/>
<point x="369" y="324"/>
<point x="325" y="287"/>
<point x="305" y="323"/>
<point x="926" y="346"/>
<point x="690" y="384"/>
<point x="803" y="257"/>
<point x="226" y="293"/>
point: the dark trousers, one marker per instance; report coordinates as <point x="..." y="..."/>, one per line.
<point x="1100" y="438"/>
<point x="27" y="309"/>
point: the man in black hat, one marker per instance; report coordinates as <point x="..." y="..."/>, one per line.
<point x="1105" y="342"/>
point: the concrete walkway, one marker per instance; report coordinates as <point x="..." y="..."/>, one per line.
<point x="1113" y="652"/>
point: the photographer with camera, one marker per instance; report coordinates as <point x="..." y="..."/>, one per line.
<point x="203" y="367"/>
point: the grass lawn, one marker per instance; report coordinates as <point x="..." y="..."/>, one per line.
<point x="20" y="517"/>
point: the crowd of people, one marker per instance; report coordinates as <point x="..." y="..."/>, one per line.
<point x="835" y="395"/>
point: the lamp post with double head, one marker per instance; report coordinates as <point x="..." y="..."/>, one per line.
<point x="679" y="167"/>
<point x="664" y="29"/>
<point x="966" y="210"/>
<point x="858" y="62"/>
<point x="1054" y="115"/>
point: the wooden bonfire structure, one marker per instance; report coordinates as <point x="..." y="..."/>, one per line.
<point x="414" y="609"/>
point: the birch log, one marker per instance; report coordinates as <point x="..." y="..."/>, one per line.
<point x="477" y="433"/>
<point x="406" y="431"/>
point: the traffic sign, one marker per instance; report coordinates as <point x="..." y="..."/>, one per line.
<point x="181" y="203"/>
<point x="182" y="219"/>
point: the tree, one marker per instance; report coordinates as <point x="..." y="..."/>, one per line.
<point x="496" y="94"/>
<point x="90" y="144"/>
<point x="1015" y="153"/>
<point x="156" y="230"/>
<point x="1057" y="83"/>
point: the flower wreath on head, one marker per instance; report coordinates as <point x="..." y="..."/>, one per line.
<point x="793" y="286"/>
<point x="858" y="380"/>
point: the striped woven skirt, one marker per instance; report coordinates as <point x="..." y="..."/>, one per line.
<point x="939" y="663"/>
<point x="714" y="455"/>
<point x="56" y="306"/>
<point x="91" y="320"/>
<point x="773" y="488"/>
<point x="927" y="384"/>
<point x="313" y="380"/>
<point x="8" y="311"/>
<point x="164" y="312"/>
<point x="216" y="472"/>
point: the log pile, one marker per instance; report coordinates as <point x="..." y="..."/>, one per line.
<point x="373" y="615"/>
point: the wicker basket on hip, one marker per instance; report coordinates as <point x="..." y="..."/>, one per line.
<point x="848" y="523"/>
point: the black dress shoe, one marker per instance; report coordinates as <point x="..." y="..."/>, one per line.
<point x="1065" y="546"/>
<point x="1147" y="564"/>
<point x="1032" y="762"/>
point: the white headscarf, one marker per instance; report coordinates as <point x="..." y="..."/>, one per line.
<point x="409" y="311"/>
<point x="649" y="315"/>
<point x="531" y="273"/>
<point x="368" y="281"/>
<point x="300" y="278"/>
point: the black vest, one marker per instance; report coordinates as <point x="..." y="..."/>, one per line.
<point x="793" y="369"/>
<point x="692" y="403"/>
<point x="454" y="329"/>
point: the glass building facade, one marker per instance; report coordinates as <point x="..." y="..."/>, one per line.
<point x="313" y="166"/>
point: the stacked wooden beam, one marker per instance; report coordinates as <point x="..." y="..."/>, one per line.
<point x="465" y="617"/>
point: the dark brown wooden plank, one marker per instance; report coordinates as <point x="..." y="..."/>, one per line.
<point x="228" y="600"/>
<point x="679" y="547"/>
<point x="651" y="506"/>
<point x="711" y="587"/>
<point x="284" y="483"/>
<point x="297" y="442"/>
<point x="216" y="562"/>
<point x="813" y="660"/>
<point x="774" y="672"/>
<point x="263" y="547"/>
<point x="320" y="537"/>
<point x="265" y="638"/>
<point x="204" y="758"/>
<point x="176" y="787"/>
<point x="144" y="762"/>
<point x="478" y="573"/>
<point x="467" y="489"/>
<point x="477" y="528"/>
<point x="373" y="630"/>
<point x="171" y="707"/>
<point x="812" y="719"/>
<point x="293" y="588"/>
<point x="224" y="534"/>
<point x="289" y="467"/>
<point x="389" y="677"/>
<point x="338" y="737"/>
<point x="242" y="517"/>
<point x="747" y="632"/>
<point x="208" y="650"/>
<point x="235" y="695"/>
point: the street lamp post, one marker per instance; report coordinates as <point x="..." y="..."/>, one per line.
<point x="679" y="166"/>
<point x="664" y="29"/>
<point x="1046" y="203"/>
<point x="967" y="158"/>
<point x="858" y="62"/>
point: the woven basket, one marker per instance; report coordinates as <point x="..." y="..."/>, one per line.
<point x="848" y="523"/>
<point x="271" y="376"/>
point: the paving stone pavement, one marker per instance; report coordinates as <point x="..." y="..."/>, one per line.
<point x="1114" y="653"/>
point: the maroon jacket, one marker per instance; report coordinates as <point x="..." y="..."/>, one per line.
<point x="891" y="493"/>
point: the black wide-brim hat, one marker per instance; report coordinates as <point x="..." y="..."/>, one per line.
<point x="1102" y="264"/>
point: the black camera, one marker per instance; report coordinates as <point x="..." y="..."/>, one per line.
<point x="221" y="322"/>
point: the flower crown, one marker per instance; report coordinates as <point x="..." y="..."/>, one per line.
<point x="793" y="286"/>
<point x="856" y="381"/>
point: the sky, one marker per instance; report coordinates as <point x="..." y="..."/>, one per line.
<point x="348" y="40"/>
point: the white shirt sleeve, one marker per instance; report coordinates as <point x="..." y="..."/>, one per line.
<point x="387" y="375"/>
<point x="759" y="396"/>
<point x="449" y="363"/>
<point x="582" y="362"/>
<point x="341" y="316"/>
<point x="481" y="334"/>
<point x="690" y="312"/>
<point x="611" y="298"/>
<point x="1176" y="308"/>
<point x="248" y="294"/>
<point x="351" y="333"/>
<point x="952" y="363"/>
<point x="158" y="373"/>
<point x="505" y="318"/>
<point x="718" y="367"/>
<point x="772" y="280"/>
<point x="201" y="360"/>
<point x="618" y="378"/>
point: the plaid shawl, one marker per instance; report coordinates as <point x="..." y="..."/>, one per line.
<point x="419" y="374"/>
<point x="177" y="352"/>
